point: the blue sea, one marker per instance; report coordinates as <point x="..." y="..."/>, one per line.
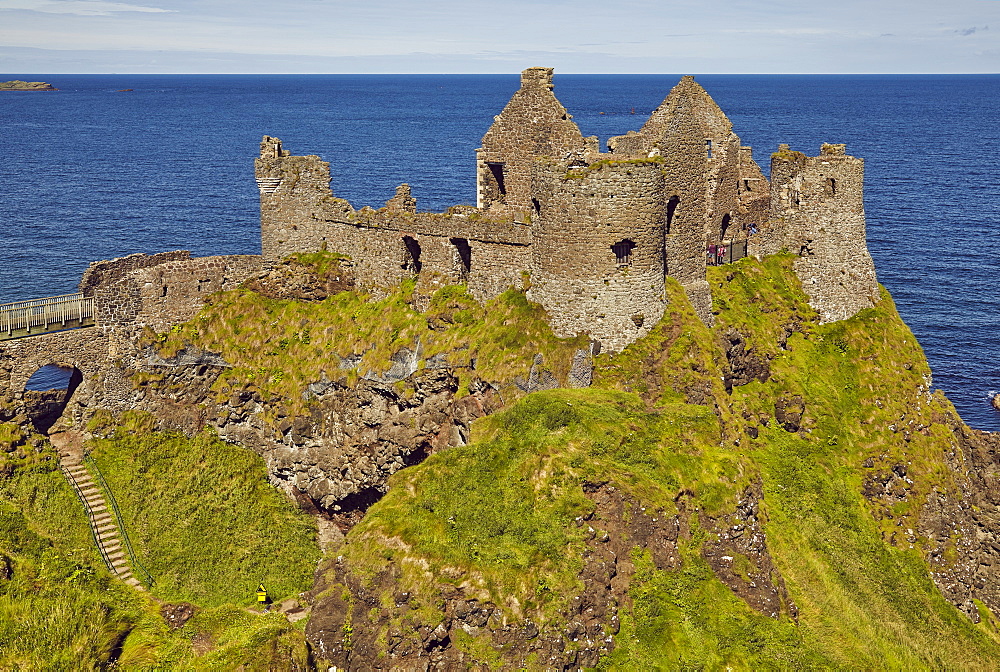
<point x="90" y="172"/>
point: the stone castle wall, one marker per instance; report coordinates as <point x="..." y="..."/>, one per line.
<point x="175" y="291"/>
<point x="105" y="273"/>
<point x="295" y="200"/>
<point x="710" y="193"/>
<point x="299" y="213"/>
<point x="161" y="289"/>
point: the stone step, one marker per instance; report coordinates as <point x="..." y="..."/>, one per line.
<point x="118" y="555"/>
<point x="98" y="509"/>
<point x="106" y="531"/>
<point x="102" y="518"/>
<point x="90" y="490"/>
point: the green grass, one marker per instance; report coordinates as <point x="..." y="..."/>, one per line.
<point x="497" y="516"/>
<point x="61" y="609"/>
<point x="499" y="512"/>
<point x="278" y="347"/>
<point x="202" y="517"/>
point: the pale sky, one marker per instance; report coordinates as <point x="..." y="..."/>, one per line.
<point x="499" y="36"/>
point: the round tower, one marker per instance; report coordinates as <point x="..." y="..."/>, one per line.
<point x="597" y="248"/>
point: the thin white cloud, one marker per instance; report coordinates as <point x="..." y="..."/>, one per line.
<point x="78" y="7"/>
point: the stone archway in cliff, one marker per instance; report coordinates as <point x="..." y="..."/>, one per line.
<point x="48" y="391"/>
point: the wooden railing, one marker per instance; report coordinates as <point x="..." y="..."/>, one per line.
<point x="41" y="316"/>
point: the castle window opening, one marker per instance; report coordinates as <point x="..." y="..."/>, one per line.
<point x="708" y="148"/>
<point x="746" y="185"/>
<point x="831" y="186"/>
<point x="724" y="226"/>
<point x="497" y="171"/>
<point x="412" y="260"/>
<point x="463" y="256"/>
<point x="671" y="210"/>
<point x="623" y="252"/>
<point x="536" y="206"/>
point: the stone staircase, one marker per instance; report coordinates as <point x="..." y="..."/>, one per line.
<point x="102" y="521"/>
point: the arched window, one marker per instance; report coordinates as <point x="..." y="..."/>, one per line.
<point x="623" y="252"/>
<point x="724" y="226"/>
<point x="672" y="210"/>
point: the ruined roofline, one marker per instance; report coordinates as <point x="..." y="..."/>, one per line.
<point x="686" y="104"/>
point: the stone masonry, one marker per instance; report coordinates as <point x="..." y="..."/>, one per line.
<point x="597" y="233"/>
<point x="819" y="213"/>
<point x="130" y="294"/>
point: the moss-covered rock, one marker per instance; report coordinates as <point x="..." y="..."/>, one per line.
<point x="682" y="512"/>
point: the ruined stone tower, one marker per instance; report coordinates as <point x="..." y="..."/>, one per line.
<point x="597" y="248"/>
<point x="598" y="233"/>
<point x="818" y="212"/>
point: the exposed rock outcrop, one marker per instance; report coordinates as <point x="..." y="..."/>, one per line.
<point x="351" y="620"/>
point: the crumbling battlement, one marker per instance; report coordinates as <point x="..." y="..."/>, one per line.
<point x="160" y="290"/>
<point x="597" y="232"/>
<point x="818" y="212"/>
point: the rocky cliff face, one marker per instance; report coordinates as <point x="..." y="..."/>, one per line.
<point x="341" y="451"/>
<point x="957" y="527"/>
<point x="765" y="489"/>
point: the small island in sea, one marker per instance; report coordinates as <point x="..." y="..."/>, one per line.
<point x="18" y="85"/>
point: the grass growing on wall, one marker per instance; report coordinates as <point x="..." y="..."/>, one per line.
<point x="280" y="346"/>
<point x="203" y="518"/>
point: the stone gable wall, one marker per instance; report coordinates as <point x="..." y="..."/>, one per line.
<point x="533" y="124"/>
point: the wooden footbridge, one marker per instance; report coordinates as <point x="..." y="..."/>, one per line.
<point x="43" y="316"/>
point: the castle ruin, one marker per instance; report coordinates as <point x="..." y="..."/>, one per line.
<point x="596" y="232"/>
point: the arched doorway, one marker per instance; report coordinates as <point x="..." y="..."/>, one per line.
<point x="47" y="392"/>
